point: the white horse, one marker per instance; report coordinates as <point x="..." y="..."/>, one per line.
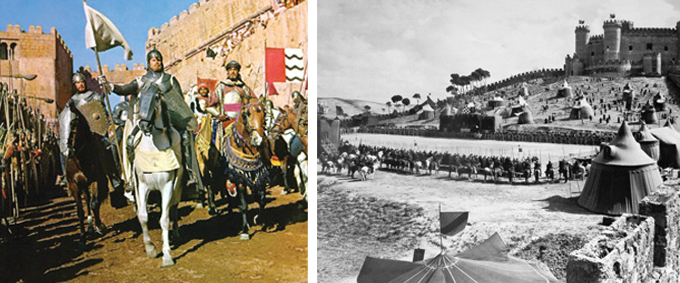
<point x="156" y="167"/>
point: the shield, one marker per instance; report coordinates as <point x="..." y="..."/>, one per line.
<point x="95" y="115"/>
<point x="181" y="115"/>
<point x="486" y="262"/>
<point x="65" y="118"/>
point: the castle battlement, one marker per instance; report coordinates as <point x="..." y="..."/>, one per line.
<point x="583" y="28"/>
<point x="38" y="30"/>
<point x="612" y="23"/>
<point x="596" y="37"/>
<point x="525" y="76"/>
<point x="650" y="32"/>
<point x="118" y="68"/>
<point x="177" y="19"/>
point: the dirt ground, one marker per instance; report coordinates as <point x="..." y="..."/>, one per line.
<point x="529" y="217"/>
<point x="44" y="246"/>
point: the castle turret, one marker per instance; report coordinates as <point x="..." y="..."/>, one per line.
<point x="582" y="34"/>
<point x="677" y="30"/>
<point x="612" y="39"/>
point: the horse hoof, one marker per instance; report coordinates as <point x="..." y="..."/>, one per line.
<point x="167" y="262"/>
<point x="245" y="237"/>
<point x="151" y="252"/>
<point x="212" y="211"/>
<point x="199" y="205"/>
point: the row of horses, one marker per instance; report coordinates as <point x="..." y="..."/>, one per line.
<point x="464" y="166"/>
<point x="238" y="163"/>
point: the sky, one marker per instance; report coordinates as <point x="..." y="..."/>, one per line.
<point x="372" y="50"/>
<point x="132" y="18"/>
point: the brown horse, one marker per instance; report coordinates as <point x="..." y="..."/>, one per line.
<point x="84" y="175"/>
<point x="244" y="167"/>
<point x="288" y="149"/>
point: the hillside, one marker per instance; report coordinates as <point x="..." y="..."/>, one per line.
<point x="350" y="107"/>
<point x="544" y="93"/>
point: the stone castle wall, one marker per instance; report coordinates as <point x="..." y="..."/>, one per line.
<point x="184" y="40"/>
<point x="632" y="44"/>
<point x="43" y="54"/>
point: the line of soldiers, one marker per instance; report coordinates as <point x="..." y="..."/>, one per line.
<point x="572" y="137"/>
<point x="30" y="157"/>
<point x="566" y="169"/>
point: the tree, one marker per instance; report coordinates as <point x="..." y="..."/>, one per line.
<point x="396" y="98"/>
<point x="389" y="106"/>
<point x="452" y="89"/>
<point x="368" y="108"/>
<point x="406" y="102"/>
<point x="455" y="82"/>
<point x="417" y="98"/>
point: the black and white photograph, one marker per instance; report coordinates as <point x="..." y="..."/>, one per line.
<point x="498" y="141"/>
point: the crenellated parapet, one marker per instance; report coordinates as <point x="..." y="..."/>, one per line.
<point x="612" y="23"/>
<point x="582" y="28"/>
<point x="526" y="76"/>
<point x="597" y="37"/>
<point x="650" y="32"/>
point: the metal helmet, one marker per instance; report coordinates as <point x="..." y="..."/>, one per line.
<point x="233" y="64"/>
<point x="154" y="53"/>
<point x="78" y="77"/>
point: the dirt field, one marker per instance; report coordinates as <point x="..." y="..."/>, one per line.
<point x="44" y="248"/>
<point x="528" y="217"/>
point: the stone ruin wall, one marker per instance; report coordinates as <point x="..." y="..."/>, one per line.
<point x="648" y="251"/>
<point x="184" y="39"/>
<point x="621" y="253"/>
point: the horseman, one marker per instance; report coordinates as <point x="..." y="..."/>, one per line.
<point x="231" y="91"/>
<point x="87" y="104"/>
<point x="181" y="116"/>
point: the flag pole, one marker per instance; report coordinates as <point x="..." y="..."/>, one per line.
<point x="441" y="235"/>
<point x="106" y="95"/>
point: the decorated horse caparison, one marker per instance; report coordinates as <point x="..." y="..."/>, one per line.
<point x="244" y="167"/>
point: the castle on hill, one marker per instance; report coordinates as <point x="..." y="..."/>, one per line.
<point x="623" y="50"/>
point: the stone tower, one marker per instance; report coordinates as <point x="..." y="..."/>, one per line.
<point x="612" y="39"/>
<point x="677" y="30"/>
<point x="582" y="34"/>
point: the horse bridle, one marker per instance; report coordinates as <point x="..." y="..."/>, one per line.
<point x="240" y="141"/>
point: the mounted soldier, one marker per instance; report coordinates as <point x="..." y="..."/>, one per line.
<point x="181" y="116"/>
<point x="89" y="106"/>
<point x="231" y="92"/>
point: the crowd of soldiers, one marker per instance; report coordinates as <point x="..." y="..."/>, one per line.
<point x="572" y="137"/>
<point x="353" y="158"/>
<point x="31" y="162"/>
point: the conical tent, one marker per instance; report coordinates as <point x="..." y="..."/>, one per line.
<point x="485" y="263"/>
<point x="582" y="110"/>
<point x="669" y="146"/>
<point x="426" y="113"/>
<point x="620" y="176"/>
<point x="649" y="114"/>
<point x="525" y="118"/>
<point x="648" y="142"/>
<point x="660" y="102"/>
<point x="565" y="91"/>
